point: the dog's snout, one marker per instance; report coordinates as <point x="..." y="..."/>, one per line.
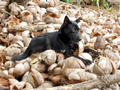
<point x="78" y="36"/>
<point x="79" y="39"/>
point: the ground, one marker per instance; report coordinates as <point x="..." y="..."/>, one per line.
<point x="99" y="29"/>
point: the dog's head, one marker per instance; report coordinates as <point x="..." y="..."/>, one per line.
<point x="70" y="29"/>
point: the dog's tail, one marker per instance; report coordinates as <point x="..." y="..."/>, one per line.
<point x="17" y="57"/>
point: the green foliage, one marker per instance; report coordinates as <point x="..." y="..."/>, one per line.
<point x="107" y="6"/>
<point x="66" y="0"/>
<point x="98" y="3"/>
<point x="103" y="3"/>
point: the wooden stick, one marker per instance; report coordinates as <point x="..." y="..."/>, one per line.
<point x="101" y="82"/>
<point x="32" y="27"/>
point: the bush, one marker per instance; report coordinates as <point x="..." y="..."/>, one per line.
<point x="98" y="3"/>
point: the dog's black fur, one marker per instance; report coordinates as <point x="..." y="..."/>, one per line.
<point x="63" y="40"/>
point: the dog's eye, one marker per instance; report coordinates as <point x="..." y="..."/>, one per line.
<point x="74" y="29"/>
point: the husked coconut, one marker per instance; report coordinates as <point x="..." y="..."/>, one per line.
<point x="14" y="7"/>
<point x="53" y="12"/>
<point x="42" y="3"/>
<point x="60" y="57"/>
<point x="81" y="75"/>
<point x="27" y="16"/>
<point x="85" y="76"/>
<point x="61" y="62"/>
<point x="27" y="86"/>
<point x="86" y="56"/>
<point x="90" y="68"/>
<point x="58" y="79"/>
<point x="69" y="70"/>
<point x="16" y="84"/>
<point x="112" y="55"/>
<point x="39" y="66"/>
<point x="47" y="30"/>
<point x="73" y="62"/>
<point x="5" y="72"/>
<point x="114" y="86"/>
<point x="9" y="64"/>
<point x="10" y="37"/>
<point x="48" y="56"/>
<point x="11" y="50"/>
<point x="52" y="3"/>
<point x="28" y="78"/>
<point x="104" y="66"/>
<point x="5" y="30"/>
<point x="57" y="71"/>
<point x="41" y="12"/>
<point x="89" y="16"/>
<point x="100" y="43"/>
<point x="51" y="68"/>
<point x="37" y="76"/>
<point x="20" y="85"/>
<point x="95" y="89"/>
<point x="74" y="76"/>
<point x="11" y="71"/>
<point x="26" y="33"/>
<point x="27" y="41"/>
<point x="34" y="77"/>
<point x="81" y="46"/>
<point x="116" y="40"/>
<point x="2" y="48"/>
<point x="70" y="64"/>
<point x="26" y="66"/>
<point x="23" y="24"/>
<point x="13" y="81"/>
<point x="46" y="84"/>
<point x="13" y="21"/>
<point x="57" y="20"/>
<point x="3" y="4"/>
<point x="20" y="43"/>
<point x="17" y="38"/>
<point x="20" y="69"/>
<point x="85" y="37"/>
<point x="32" y="8"/>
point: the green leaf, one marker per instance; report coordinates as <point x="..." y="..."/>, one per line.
<point x="110" y="9"/>
<point x="34" y="61"/>
<point x="66" y="0"/>
<point x="106" y="5"/>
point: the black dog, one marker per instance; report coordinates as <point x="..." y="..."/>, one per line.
<point x="63" y="40"/>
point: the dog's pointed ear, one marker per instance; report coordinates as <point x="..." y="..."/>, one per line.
<point x="66" y="20"/>
<point x="78" y="20"/>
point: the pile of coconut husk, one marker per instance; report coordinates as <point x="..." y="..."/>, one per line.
<point x="99" y="30"/>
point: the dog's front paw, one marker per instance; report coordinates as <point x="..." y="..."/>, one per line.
<point x="75" y="46"/>
<point x="87" y="62"/>
<point x="98" y="53"/>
